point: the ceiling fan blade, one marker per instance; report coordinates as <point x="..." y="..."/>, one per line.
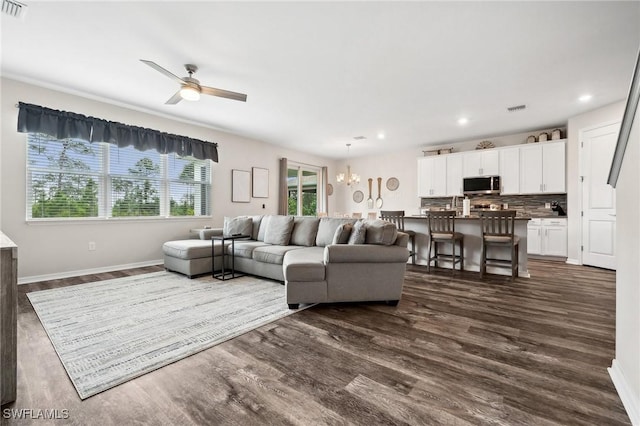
<point x="174" y="99"/>
<point x="223" y="93"/>
<point x="163" y="71"/>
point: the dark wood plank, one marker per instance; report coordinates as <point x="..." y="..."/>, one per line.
<point x="454" y="351"/>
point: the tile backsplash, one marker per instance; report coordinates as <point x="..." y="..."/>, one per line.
<point x="525" y="205"/>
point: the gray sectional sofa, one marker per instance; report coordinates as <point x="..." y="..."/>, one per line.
<point x="318" y="259"/>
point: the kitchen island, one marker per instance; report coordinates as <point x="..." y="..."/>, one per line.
<point x="470" y="227"/>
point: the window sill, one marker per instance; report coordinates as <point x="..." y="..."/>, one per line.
<point x="113" y="220"/>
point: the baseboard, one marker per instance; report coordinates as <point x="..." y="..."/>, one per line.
<point x="630" y="401"/>
<point x="574" y="262"/>
<point x="46" y="277"/>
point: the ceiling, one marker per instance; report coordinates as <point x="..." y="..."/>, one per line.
<point x="319" y="74"/>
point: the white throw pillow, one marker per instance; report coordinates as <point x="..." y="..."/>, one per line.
<point x="237" y="225"/>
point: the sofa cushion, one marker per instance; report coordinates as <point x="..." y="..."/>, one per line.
<point x="358" y="233"/>
<point x="272" y="253"/>
<point x="255" y="229"/>
<point x="305" y="265"/>
<point x="237" y="225"/>
<point x="327" y="229"/>
<point x="380" y="232"/>
<point x="245" y="248"/>
<point x="343" y="231"/>
<point x="263" y="227"/>
<point x="279" y="230"/>
<point x="191" y="249"/>
<point x="305" y="229"/>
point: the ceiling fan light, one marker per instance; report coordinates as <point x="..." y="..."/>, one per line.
<point x="189" y="93"/>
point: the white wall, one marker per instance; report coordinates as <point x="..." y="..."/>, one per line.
<point x="61" y="249"/>
<point x="607" y="114"/>
<point x="404" y="166"/>
<point x="625" y="369"/>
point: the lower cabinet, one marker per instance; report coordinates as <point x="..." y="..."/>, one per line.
<point x="547" y="237"/>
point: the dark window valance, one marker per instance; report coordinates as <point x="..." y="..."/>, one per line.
<point x="63" y="125"/>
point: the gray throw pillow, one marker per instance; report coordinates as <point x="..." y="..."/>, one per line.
<point x="278" y="230"/>
<point x="380" y="232"/>
<point x="237" y="225"/>
<point x="327" y="229"/>
<point x="305" y="230"/>
<point x="263" y="227"/>
<point x="342" y="234"/>
<point x="256" y="226"/>
<point x="358" y="233"/>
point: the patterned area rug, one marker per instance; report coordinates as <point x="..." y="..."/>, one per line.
<point x="109" y="332"/>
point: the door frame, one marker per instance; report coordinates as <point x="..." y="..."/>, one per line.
<point x="581" y="132"/>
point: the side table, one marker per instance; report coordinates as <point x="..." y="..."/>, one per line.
<point x="222" y="274"/>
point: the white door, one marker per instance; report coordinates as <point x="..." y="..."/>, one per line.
<point x="598" y="198"/>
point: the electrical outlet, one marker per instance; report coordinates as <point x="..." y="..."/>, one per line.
<point x="92" y="245"/>
<point x="547" y="205"/>
<point x="505" y="206"/>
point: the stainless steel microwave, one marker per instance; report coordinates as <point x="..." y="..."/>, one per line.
<point x="481" y="185"/>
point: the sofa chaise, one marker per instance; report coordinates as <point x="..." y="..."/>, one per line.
<point x="319" y="260"/>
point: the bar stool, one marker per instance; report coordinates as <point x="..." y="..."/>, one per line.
<point x="497" y="230"/>
<point x="397" y="218"/>
<point x="442" y="229"/>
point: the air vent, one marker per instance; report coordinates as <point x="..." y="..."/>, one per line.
<point x="516" y="108"/>
<point x="359" y="138"/>
<point x="14" y="8"/>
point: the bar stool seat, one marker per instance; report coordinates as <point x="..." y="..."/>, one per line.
<point x="442" y="230"/>
<point x="397" y="218"/>
<point x="498" y="231"/>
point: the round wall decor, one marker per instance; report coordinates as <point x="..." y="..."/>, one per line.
<point x="329" y="189"/>
<point x="393" y="184"/>
<point x="358" y="196"/>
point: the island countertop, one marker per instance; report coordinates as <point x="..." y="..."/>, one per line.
<point x="469" y="226"/>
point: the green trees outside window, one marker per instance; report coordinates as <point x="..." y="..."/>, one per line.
<point x="75" y="178"/>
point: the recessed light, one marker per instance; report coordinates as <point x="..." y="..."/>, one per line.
<point x="381" y="135"/>
<point x="463" y="120"/>
<point x="585" y="98"/>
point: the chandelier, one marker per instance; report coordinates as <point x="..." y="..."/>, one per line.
<point x="349" y="178"/>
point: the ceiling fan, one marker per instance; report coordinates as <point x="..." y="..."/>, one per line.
<point x="190" y="88"/>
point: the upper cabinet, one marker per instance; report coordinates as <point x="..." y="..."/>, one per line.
<point x="542" y="168"/>
<point x="481" y="163"/>
<point x="454" y="175"/>
<point x="510" y="171"/>
<point x="523" y="169"/>
<point x="432" y="176"/>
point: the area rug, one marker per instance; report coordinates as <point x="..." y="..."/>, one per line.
<point x="109" y="332"/>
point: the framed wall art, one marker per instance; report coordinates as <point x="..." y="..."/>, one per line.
<point x="260" y="184"/>
<point x="240" y="186"/>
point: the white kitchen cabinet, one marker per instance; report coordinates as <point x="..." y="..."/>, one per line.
<point x="454" y="175"/>
<point x="547" y="237"/>
<point x="510" y="171"/>
<point x="481" y="163"/>
<point x="542" y="168"/>
<point x="432" y="176"/>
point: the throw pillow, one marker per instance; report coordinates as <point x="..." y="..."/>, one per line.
<point x="305" y="230"/>
<point x="278" y="230"/>
<point x="380" y="232"/>
<point x="263" y="227"/>
<point x="327" y="229"/>
<point x="256" y="226"/>
<point x="237" y="225"/>
<point x="358" y="233"/>
<point x="342" y="234"/>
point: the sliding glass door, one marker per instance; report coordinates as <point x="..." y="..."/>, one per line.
<point x="303" y="184"/>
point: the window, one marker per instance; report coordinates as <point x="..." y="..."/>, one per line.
<point x="72" y="178"/>
<point x="302" y="185"/>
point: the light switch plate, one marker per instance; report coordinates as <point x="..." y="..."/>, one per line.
<point x="547" y="205"/>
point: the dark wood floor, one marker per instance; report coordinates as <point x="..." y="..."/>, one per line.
<point x="454" y="351"/>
